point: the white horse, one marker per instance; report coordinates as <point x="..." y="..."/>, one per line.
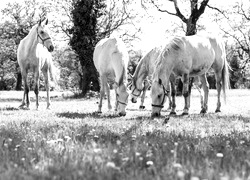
<point x="34" y="53"/>
<point x="111" y="60"/>
<point x="141" y="78"/>
<point x="190" y="56"/>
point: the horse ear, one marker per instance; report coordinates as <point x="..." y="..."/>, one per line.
<point x="40" y="22"/>
<point x="160" y="81"/>
<point x="46" y="22"/>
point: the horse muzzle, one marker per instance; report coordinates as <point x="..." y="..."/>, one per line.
<point x="134" y="100"/>
<point x="51" y="48"/>
<point x="122" y="113"/>
<point x="155" y="114"/>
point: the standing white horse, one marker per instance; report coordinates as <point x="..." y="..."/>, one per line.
<point x="190" y="56"/>
<point x="142" y="76"/>
<point x="111" y="60"/>
<point x="34" y="53"/>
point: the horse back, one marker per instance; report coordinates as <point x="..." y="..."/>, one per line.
<point x="111" y="58"/>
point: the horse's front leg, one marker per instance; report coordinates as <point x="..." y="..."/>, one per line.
<point x="146" y="85"/>
<point x="172" y="103"/>
<point x="186" y="94"/>
<point x="36" y="89"/>
<point x="205" y="87"/>
<point x="47" y="86"/>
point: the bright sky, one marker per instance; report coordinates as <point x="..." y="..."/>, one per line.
<point x="154" y="29"/>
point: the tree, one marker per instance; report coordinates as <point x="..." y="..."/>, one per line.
<point x="234" y="22"/>
<point x="92" y="21"/>
<point x="19" y="18"/>
<point x="196" y="10"/>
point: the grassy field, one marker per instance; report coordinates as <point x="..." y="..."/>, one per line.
<point x="71" y="141"/>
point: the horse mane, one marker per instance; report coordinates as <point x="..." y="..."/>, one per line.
<point x="173" y="46"/>
<point x="123" y="76"/>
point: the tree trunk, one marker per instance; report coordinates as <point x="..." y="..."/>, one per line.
<point x="191" y="30"/>
<point x="19" y="81"/>
<point x="84" y="84"/>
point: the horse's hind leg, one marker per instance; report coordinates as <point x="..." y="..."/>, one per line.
<point x="205" y="87"/>
<point x="47" y="86"/>
<point x="26" y="90"/>
<point x="102" y="93"/>
<point x="186" y="94"/>
<point x="36" y="89"/>
<point x="108" y="95"/>
<point x="146" y="85"/>
<point x="218" y="77"/>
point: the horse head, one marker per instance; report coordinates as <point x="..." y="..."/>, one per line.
<point x="122" y="99"/>
<point x="43" y="35"/>
<point x="158" y="95"/>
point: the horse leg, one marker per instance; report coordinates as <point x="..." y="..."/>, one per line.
<point x="47" y="86"/>
<point x="172" y="103"/>
<point x="26" y="88"/>
<point x="186" y="94"/>
<point x="146" y="85"/>
<point x="102" y="93"/>
<point x="36" y="89"/>
<point x="108" y="94"/>
<point x="218" y="77"/>
<point x="205" y="87"/>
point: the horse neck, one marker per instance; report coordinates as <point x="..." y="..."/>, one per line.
<point x="141" y="70"/>
<point x="164" y="69"/>
<point x="32" y="39"/>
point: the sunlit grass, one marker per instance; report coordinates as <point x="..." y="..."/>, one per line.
<point x="72" y="141"/>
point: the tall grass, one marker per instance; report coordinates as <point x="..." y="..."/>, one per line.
<point x="73" y="142"/>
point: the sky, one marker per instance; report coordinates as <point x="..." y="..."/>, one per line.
<point x="154" y="29"/>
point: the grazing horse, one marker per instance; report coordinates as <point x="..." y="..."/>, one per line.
<point x="142" y="76"/>
<point x="34" y="53"/>
<point x="111" y="60"/>
<point x="190" y="56"/>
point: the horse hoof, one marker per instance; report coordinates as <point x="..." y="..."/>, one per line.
<point x="172" y="113"/>
<point x="142" y="107"/>
<point x="217" y="111"/>
<point x="203" y="111"/>
<point x="184" y="114"/>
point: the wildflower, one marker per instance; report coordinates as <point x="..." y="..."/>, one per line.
<point x="22" y="159"/>
<point x="18" y="146"/>
<point x="177" y="165"/>
<point x="125" y="159"/>
<point x="118" y="142"/>
<point x="176" y="143"/>
<point x="5" y="145"/>
<point x="67" y="138"/>
<point x="97" y="150"/>
<point x="10" y="140"/>
<point x="149" y="163"/>
<point x="115" y="151"/>
<point x="220" y="155"/>
<point x="110" y="164"/>
<point x="195" y="178"/>
<point x="29" y="149"/>
<point x="133" y="137"/>
<point x="140" y="158"/>
<point x="137" y="154"/>
<point x="180" y="174"/>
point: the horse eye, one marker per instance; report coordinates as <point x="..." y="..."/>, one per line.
<point x="159" y="96"/>
<point x="42" y="32"/>
<point x="117" y="95"/>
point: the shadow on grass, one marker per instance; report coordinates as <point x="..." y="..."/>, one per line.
<point x="9" y="108"/>
<point x="73" y="115"/>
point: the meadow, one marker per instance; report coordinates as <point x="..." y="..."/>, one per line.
<point x="72" y="141"/>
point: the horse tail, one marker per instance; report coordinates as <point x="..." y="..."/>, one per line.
<point x="225" y="78"/>
<point x="52" y="71"/>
